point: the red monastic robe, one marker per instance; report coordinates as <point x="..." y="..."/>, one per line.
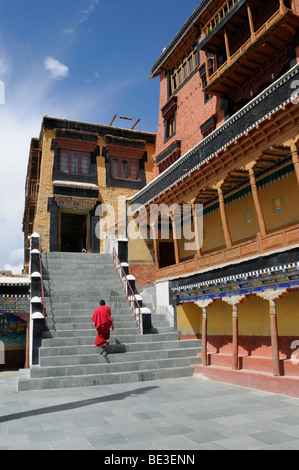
<point x="103" y="322"/>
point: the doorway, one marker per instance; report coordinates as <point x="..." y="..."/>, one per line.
<point x="73" y="232"/>
<point x="167" y="256"/>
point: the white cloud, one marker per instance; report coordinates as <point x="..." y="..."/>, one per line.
<point x="57" y="69"/>
<point x="89" y="10"/>
<point x="68" y="31"/>
<point x="15" y="263"/>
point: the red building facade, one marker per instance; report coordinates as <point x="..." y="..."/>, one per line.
<point x="228" y="141"/>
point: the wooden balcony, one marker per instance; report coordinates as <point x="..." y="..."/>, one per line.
<point x="262" y="45"/>
<point x="282" y="239"/>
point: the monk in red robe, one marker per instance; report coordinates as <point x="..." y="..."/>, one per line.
<point x="103" y="321"/>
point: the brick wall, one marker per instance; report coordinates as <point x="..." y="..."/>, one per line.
<point x="144" y="273"/>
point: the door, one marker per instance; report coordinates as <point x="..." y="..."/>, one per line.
<point x="73" y="234"/>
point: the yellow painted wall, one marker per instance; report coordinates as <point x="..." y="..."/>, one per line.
<point x="254" y="317"/>
<point x="42" y="217"/>
<point x="288" y="190"/>
<point x="213" y="236"/>
<point x="116" y="197"/>
<point x="288" y="315"/>
<point x="189" y="319"/>
<point x="141" y="250"/>
<point x="220" y="319"/>
<point x="109" y="196"/>
<point x="242" y="219"/>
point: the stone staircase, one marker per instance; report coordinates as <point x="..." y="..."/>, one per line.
<point x="74" y="284"/>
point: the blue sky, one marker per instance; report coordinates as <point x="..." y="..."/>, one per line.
<point x="85" y="60"/>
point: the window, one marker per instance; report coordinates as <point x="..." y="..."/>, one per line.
<point x="74" y="162"/>
<point x="184" y="69"/>
<point x="125" y="169"/>
<point x="170" y="127"/>
<point x="169" y="113"/>
<point x="203" y="76"/>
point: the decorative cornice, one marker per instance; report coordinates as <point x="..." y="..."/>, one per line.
<point x="64" y="125"/>
<point x="74" y="184"/>
<point x="74" y="144"/>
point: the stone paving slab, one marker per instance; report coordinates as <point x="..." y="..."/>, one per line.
<point x="188" y="414"/>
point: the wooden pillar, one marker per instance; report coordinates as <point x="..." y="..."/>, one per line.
<point x="227" y="48"/>
<point x="204" y="304"/>
<point x="295" y="157"/>
<point x="257" y="203"/>
<point x="227" y="236"/>
<point x="207" y="67"/>
<point x="204" y="332"/>
<point x="234" y="301"/>
<point x="274" y="337"/>
<point x="251" y="24"/>
<point x="272" y="296"/>
<point x="175" y="240"/>
<point x="235" y="358"/>
<point x="282" y="6"/>
<point x="156" y="245"/>
<point x="197" y="232"/>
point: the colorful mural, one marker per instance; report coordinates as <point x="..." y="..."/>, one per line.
<point x="12" y="322"/>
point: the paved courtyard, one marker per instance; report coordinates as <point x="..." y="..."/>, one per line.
<point x="175" y="414"/>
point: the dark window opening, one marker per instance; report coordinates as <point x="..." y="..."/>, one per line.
<point x="73" y="233"/>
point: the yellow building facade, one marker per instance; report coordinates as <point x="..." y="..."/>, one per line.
<point x="79" y="177"/>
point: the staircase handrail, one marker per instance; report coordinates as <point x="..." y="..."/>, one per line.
<point x="127" y="288"/>
<point x="42" y="281"/>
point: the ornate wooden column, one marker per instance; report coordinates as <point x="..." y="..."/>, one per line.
<point x="197" y="231"/>
<point x="234" y="301"/>
<point x="272" y="296"/>
<point x="295" y="158"/>
<point x="282" y="6"/>
<point x="251" y="24"/>
<point x="207" y="67"/>
<point x="204" y="304"/>
<point x="156" y="244"/>
<point x="227" y="236"/>
<point x="227" y="48"/>
<point x="256" y="199"/>
<point x="175" y="239"/>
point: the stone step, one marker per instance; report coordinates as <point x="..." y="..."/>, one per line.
<point x="80" y="321"/>
<point x="132" y="337"/>
<point x="117" y="347"/>
<point x="119" y="320"/>
<point x="104" y="379"/>
<point x="52" y="361"/>
<point x="71" y="331"/>
<point x="77" y="329"/>
<point x="84" y="304"/>
<point x="116" y="367"/>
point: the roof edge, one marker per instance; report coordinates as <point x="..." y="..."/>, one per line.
<point x="178" y="37"/>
